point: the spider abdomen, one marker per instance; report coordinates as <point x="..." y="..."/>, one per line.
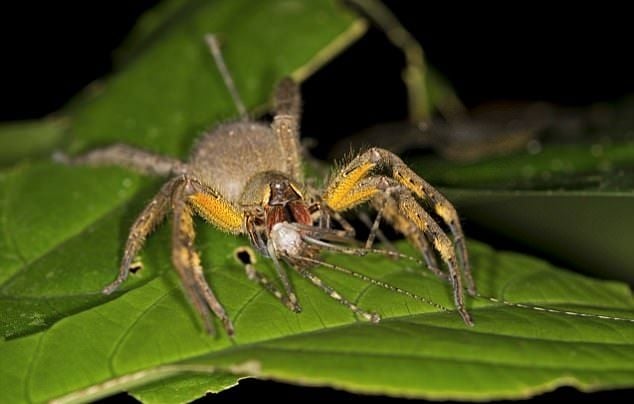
<point x="227" y="157"/>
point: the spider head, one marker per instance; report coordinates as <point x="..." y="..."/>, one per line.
<point x="285" y="203"/>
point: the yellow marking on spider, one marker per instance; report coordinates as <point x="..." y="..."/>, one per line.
<point x="445" y="212"/>
<point x="217" y="211"/>
<point x="354" y="198"/>
<point x="409" y="210"/>
<point x="408" y="180"/>
<point x="337" y="197"/>
<point x="335" y="295"/>
<point x="444" y="247"/>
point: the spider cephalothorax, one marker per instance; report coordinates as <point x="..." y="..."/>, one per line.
<point x="264" y="197"/>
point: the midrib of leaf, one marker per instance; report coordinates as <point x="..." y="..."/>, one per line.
<point x="277" y="346"/>
<point x="262" y="347"/>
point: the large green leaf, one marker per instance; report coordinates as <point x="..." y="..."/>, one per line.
<point x="417" y="350"/>
<point x="62" y="231"/>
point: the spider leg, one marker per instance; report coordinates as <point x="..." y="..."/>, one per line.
<point x="373" y="281"/>
<point x="324" y="219"/>
<point x="341" y="193"/>
<point x="413" y="234"/>
<point x="315" y="280"/>
<point x="247" y="259"/>
<point x="410" y="208"/>
<point x="150" y="217"/>
<point x="443" y="208"/>
<point x="286" y="125"/>
<point x="375" y="230"/>
<point x="348" y="230"/>
<point x="187" y="262"/>
<point x="214" y="48"/>
<point x="119" y="154"/>
<point x="405" y="210"/>
<point x="211" y="206"/>
<point x="335" y="235"/>
<point x="281" y="273"/>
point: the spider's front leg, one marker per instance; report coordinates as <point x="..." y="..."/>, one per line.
<point x="397" y="192"/>
<point x="224" y="215"/>
<point x="151" y="216"/>
<point x="442" y="207"/>
<point x="186" y="259"/>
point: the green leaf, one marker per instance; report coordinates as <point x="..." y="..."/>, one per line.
<point x="511" y="352"/>
<point x="29" y="139"/>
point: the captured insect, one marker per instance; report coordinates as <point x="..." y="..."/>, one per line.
<point x="285" y="219"/>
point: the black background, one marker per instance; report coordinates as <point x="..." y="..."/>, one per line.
<point x="574" y="56"/>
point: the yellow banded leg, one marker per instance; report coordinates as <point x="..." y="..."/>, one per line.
<point x="410" y="208"/>
<point x="413" y="234"/>
<point x="342" y="192"/>
<point x="216" y="210"/>
<point x="422" y="189"/>
<point x="187" y="262"/>
<point x="444" y="209"/>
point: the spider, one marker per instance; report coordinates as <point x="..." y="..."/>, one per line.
<point x="264" y="196"/>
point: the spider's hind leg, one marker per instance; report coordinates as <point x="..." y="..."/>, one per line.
<point x="286" y="125"/>
<point x="122" y="155"/>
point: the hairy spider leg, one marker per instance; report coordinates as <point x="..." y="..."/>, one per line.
<point x="151" y="216"/>
<point x="414" y="235"/>
<point x="356" y="184"/>
<point x="139" y="160"/>
<point x="285" y="125"/>
<point x="186" y="260"/>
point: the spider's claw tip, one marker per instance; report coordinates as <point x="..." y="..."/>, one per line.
<point x="466" y="317"/>
<point x="228" y="325"/>
<point x="108" y="290"/>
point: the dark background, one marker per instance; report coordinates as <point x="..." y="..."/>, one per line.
<point x="576" y="56"/>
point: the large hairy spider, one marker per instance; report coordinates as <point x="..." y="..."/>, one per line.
<point x="246" y="177"/>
